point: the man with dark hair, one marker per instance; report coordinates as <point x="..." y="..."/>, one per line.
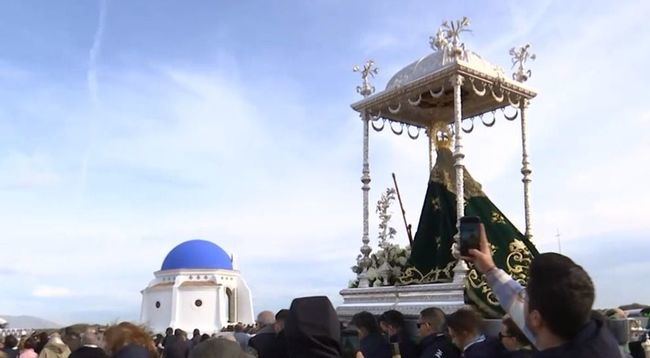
<point x="465" y="331"/>
<point x="196" y="338"/>
<point x="11" y="346"/>
<point x="178" y="346"/>
<point x="392" y="323"/>
<point x="372" y="343"/>
<point x="432" y="325"/>
<point x="280" y="342"/>
<point x="514" y="340"/>
<point x="554" y="311"/>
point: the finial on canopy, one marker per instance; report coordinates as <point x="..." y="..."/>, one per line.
<point x="519" y="58"/>
<point x="369" y="70"/>
<point x="447" y="39"/>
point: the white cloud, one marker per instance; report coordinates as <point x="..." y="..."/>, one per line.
<point x="51" y="292"/>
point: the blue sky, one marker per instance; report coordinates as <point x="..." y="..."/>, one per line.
<point x="127" y="127"/>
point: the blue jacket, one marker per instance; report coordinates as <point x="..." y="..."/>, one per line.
<point x="438" y="346"/>
<point x="375" y="346"/>
<point x="594" y="341"/>
<point x="484" y="347"/>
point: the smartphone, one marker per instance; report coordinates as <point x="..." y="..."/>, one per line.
<point x="470" y="234"/>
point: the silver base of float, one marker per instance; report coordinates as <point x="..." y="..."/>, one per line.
<point x="409" y="300"/>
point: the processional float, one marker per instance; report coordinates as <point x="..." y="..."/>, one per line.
<point x="443" y="94"/>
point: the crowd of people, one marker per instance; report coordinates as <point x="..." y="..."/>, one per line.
<point x="551" y="317"/>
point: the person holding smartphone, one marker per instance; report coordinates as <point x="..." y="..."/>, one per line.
<point x="554" y="310"/>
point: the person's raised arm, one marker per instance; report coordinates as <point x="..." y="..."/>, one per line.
<point x="511" y="295"/>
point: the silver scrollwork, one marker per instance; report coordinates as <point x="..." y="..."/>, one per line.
<point x="377" y="128"/>
<point x="397" y="132"/>
<point x="480" y="92"/>
<point x="500" y="97"/>
<point x="513" y="103"/>
<point x="415" y="102"/>
<point x="510" y="117"/>
<point x="490" y="124"/>
<point x="395" y="110"/>
<point x="413" y="136"/>
<point x="437" y="94"/>
<point x="471" y="125"/>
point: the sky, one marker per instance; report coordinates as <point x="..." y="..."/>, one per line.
<point x="128" y="127"/>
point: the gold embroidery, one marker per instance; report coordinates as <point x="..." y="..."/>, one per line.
<point x="497" y="218"/>
<point x="436" y="204"/>
<point x="478" y="282"/>
<point x="518" y="261"/>
<point x="413" y="276"/>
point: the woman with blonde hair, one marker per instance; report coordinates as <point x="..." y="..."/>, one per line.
<point x="127" y="340"/>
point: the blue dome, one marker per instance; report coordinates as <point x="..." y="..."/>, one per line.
<point x="197" y="254"/>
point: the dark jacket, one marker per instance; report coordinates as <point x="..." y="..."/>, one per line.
<point x="522" y="353"/>
<point x="177" y="348"/>
<point x="438" y="346"/>
<point x="375" y="346"/>
<point x="88" y="352"/>
<point x="263" y="342"/>
<point x="132" y="351"/>
<point x="487" y="347"/>
<point x="11" y="353"/>
<point x="593" y="341"/>
<point x="407" y="348"/>
<point x="312" y="329"/>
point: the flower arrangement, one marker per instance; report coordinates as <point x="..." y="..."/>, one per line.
<point x="390" y="260"/>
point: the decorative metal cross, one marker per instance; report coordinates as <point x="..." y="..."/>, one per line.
<point x="519" y="58"/>
<point x="369" y="70"/>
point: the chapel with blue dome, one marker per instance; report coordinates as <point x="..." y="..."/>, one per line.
<point x="197" y="286"/>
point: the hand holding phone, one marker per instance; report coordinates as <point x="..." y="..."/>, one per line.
<point x="470" y="234"/>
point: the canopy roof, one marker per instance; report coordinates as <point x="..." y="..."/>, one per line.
<point x="421" y="94"/>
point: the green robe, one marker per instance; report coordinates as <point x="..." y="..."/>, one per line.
<point x="431" y="259"/>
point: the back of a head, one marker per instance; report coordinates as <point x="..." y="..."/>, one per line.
<point x="282" y="315"/>
<point x="31" y="343"/>
<point x="89" y="337"/>
<point x="265" y="318"/>
<point x="393" y="318"/>
<point x="365" y="320"/>
<point x="238" y="327"/>
<point x="562" y="292"/>
<point x="515" y="332"/>
<point x="465" y="321"/>
<point x="11" y="341"/>
<point x="435" y="317"/>
<point x="125" y="334"/>
<point x="313" y="329"/>
<point x="218" y="348"/>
